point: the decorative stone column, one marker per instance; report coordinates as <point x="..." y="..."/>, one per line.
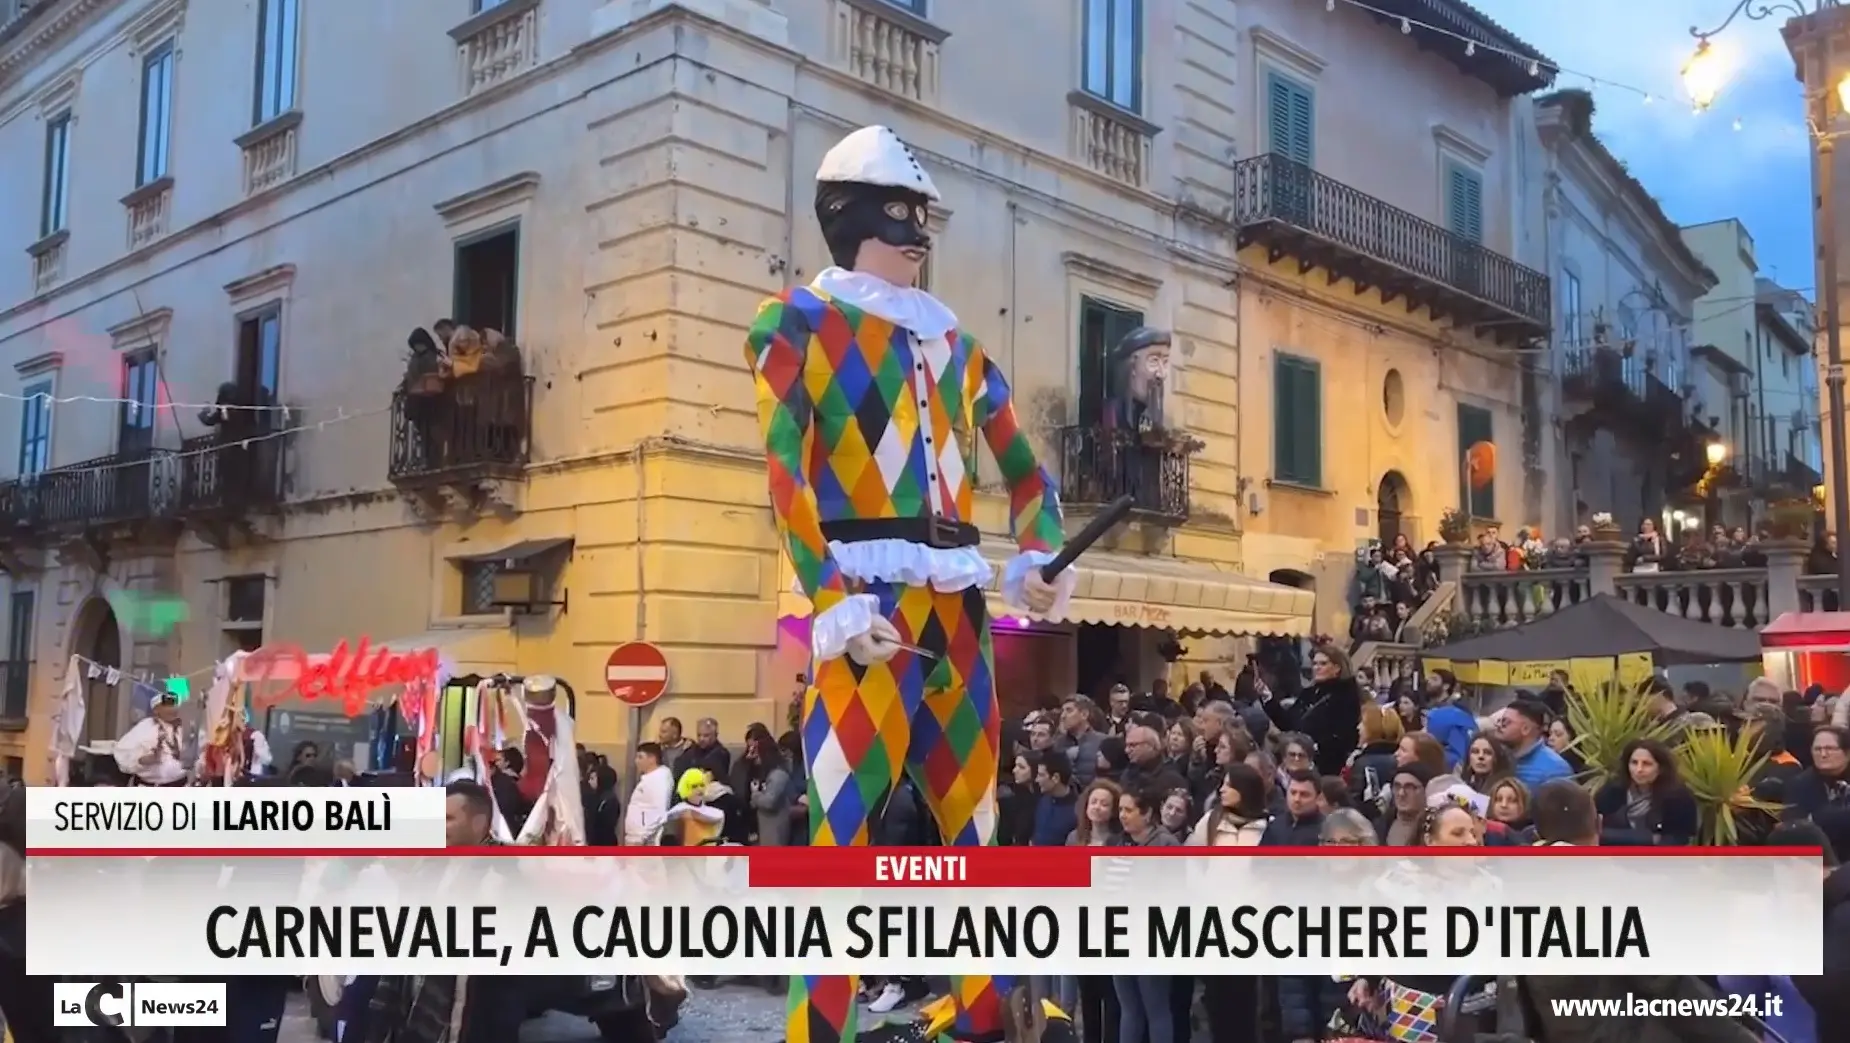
<point x="1785" y="563"/>
<point x="1454" y="560"/>
<point x="1605" y="564"/>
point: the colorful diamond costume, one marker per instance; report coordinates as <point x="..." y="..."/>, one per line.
<point x="870" y="400"/>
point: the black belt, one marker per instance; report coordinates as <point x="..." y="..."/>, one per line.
<point x="934" y="531"/>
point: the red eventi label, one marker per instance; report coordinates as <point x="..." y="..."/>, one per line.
<point x="985" y="867"/>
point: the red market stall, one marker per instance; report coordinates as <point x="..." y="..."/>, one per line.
<point x="1800" y="649"/>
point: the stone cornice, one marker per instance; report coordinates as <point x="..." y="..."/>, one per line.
<point x="40" y="32"/>
<point x="144" y="330"/>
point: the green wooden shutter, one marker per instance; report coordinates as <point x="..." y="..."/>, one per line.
<point x="1465" y="202"/>
<point x="1297" y="421"/>
<point x="1474" y="426"/>
<point x="1290" y="118"/>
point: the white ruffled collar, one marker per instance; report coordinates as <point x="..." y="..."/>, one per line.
<point x="903" y="306"/>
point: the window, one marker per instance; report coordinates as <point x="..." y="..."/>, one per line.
<point x="485" y="5"/>
<point x="1297" y="421"/>
<point x="1570" y="308"/>
<point x="1474" y="426"/>
<point x="1291" y="110"/>
<point x="488" y="280"/>
<point x="15" y="692"/>
<point x="917" y="7"/>
<point x="1101" y="326"/>
<point x="35" y="430"/>
<point x="140" y="380"/>
<point x="478" y="587"/>
<point x="242" y="624"/>
<point x="1114" y="52"/>
<point x="259" y="356"/>
<point x="276" y="59"/>
<point x="54" y="210"/>
<point x="244" y="599"/>
<point x="1464" y="201"/>
<point x="156" y="114"/>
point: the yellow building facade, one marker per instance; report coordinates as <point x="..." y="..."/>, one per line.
<point x="616" y="186"/>
<point x="1384" y="314"/>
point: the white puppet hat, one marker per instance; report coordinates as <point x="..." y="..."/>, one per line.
<point x="876" y="156"/>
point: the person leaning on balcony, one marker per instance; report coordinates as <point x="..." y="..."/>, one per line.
<point x="426" y="379"/>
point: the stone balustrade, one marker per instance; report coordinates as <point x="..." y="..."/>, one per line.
<point x="1745" y="599"/>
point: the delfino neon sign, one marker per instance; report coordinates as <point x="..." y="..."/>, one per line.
<point x="345" y="675"/>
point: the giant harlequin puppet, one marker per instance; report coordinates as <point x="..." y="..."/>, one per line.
<point x="871" y="400"/>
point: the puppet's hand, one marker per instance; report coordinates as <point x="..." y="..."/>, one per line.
<point x="879" y="644"/>
<point x="1039" y="594"/>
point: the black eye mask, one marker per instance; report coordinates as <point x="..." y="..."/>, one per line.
<point x="852" y="213"/>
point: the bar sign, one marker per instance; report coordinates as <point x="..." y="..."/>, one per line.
<point x="113" y="1004"/>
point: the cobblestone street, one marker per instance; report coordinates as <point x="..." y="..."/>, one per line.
<point x="726" y="1015"/>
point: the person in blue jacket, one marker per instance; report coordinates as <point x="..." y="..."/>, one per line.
<point x="1447" y="720"/>
<point x="1057" y="814"/>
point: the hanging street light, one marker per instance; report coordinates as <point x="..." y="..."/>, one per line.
<point x="1708" y="70"/>
<point x="1704" y="75"/>
<point x="1813" y="41"/>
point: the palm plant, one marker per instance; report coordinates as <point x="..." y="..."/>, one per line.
<point x="1719" y="772"/>
<point x="1604" y="719"/>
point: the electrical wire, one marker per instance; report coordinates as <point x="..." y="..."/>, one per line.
<point x="242" y="443"/>
<point x="104" y="400"/>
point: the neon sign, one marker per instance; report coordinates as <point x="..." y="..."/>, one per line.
<point x="345" y="675"/>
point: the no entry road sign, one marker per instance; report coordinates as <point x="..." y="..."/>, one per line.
<point x="637" y="673"/>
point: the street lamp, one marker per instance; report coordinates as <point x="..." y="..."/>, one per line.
<point x="1805" y="33"/>
<point x="1716" y="452"/>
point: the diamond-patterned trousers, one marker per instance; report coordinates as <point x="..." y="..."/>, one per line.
<point x="933" y="718"/>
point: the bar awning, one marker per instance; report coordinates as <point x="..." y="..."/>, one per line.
<point x="521" y="551"/>
<point x="1171" y="594"/>
<point x="1147" y="591"/>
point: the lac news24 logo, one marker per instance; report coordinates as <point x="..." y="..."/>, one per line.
<point x="114" y="1004"/>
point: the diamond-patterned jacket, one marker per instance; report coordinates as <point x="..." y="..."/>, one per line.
<point x="863" y="420"/>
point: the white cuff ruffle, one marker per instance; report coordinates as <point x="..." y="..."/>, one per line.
<point x="831" y="630"/>
<point x="946" y="570"/>
<point x="1015" y="577"/>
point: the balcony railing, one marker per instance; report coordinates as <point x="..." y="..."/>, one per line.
<point x="1274" y="194"/>
<point x="136" y="485"/>
<point x="220" y="474"/>
<point x="15" y="689"/>
<point x="1100" y="464"/>
<point x="475" y="426"/>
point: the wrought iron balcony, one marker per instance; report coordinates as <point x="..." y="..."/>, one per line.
<point x="1100" y="464"/>
<point x="475" y="427"/>
<point x="1604" y="375"/>
<point x="15" y="689"/>
<point x="1621" y="389"/>
<point x="226" y="475"/>
<point x="1296" y="212"/>
<point x="133" y="486"/>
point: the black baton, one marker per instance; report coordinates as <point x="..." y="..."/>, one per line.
<point x="1101" y="523"/>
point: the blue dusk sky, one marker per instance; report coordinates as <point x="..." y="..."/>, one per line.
<point x="1699" y="166"/>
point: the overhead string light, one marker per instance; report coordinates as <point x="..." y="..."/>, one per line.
<point x="1535" y="67"/>
<point x="340" y="417"/>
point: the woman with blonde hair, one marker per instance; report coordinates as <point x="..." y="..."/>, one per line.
<point x="1509" y="813"/>
<point x="1098" y="816"/>
<point x="1328" y="711"/>
<point x="1371" y="770"/>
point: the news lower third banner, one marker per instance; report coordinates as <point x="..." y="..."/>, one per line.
<point x="774" y="911"/>
<point x="142" y="819"/>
